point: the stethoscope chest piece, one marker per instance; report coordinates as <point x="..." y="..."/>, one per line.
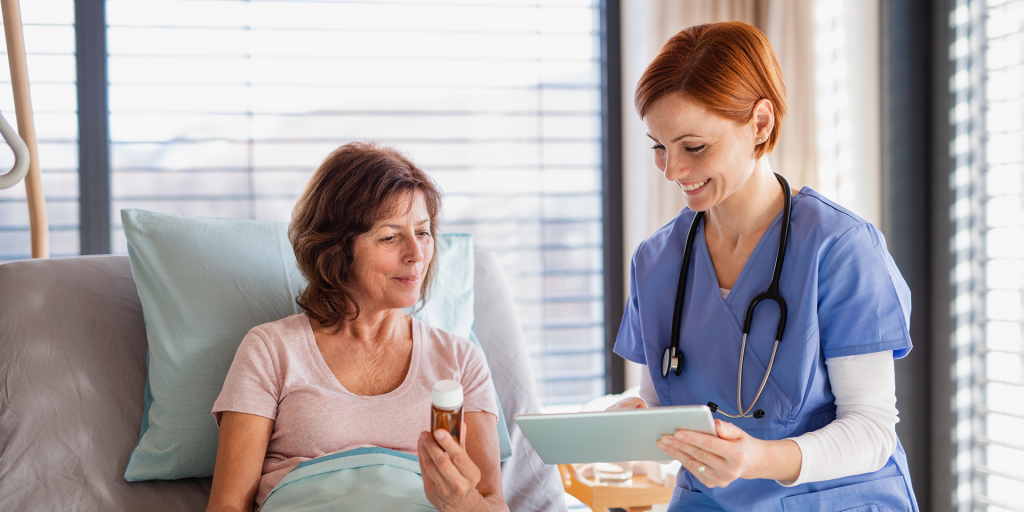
<point x="671" y="361"/>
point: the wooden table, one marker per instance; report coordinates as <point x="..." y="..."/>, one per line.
<point x="635" y="498"/>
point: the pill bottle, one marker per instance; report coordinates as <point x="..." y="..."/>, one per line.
<point x="446" y="413"/>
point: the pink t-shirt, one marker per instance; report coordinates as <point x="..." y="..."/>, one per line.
<point x="279" y="373"/>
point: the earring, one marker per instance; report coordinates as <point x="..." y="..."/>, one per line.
<point x="758" y="140"/>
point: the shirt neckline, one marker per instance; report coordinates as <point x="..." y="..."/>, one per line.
<point x="326" y="373"/>
<point x="777" y="221"/>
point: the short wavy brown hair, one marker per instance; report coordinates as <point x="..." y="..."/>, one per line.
<point x="355" y="187"/>
<point x="724" y="67"/>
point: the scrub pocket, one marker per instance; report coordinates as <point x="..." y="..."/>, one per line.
<point x="882" y="495"/>
<point x="692" y="501"/>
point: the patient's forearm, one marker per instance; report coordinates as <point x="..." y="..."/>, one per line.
<point x="496" y="505"/>
<point x="490" y="502"/>
<point x="226" y="508"/>
<point x="480" y="501"/>
<point x="484" y="500"/>
<point x="241" y="448"/>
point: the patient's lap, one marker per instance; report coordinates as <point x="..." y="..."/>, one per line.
<point x="279" y="373"/>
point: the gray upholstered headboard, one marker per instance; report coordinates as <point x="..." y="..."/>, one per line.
<point x="73" y="371"/>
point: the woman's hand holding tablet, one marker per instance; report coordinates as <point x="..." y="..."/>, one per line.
<point x="725" y="457"/>
<point x="730" y="455"/>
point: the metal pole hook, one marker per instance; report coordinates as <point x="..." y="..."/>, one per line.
<point x="21" y="155"/>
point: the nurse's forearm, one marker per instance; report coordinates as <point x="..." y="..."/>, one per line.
<point x="647" y="392"/>
<point x="863" y="436"/>
<point x="779" y="460"/>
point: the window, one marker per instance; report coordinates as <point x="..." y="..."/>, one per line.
<point x="224" y="108"/>
<point x="988" y="244"/>
<point x="48" y="27"/>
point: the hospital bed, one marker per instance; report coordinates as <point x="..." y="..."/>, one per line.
<point x="73" y="370"/>
<point x="73" y="365"/>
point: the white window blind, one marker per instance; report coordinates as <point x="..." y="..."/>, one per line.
<point x="988" y="242"/>
<point x="225" y="108"/>
<point x="48" y="27"/>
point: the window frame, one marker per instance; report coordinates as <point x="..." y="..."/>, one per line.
<point x="93" y="127"/>
<point x="916" y="201"/>
<point x="95" y="168"/>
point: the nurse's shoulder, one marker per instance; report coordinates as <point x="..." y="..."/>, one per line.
<point x="820" y="221"/>
<point x="856" y="276"/>
<point x="811" y="207"/>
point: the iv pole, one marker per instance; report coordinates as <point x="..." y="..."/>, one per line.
<point x="38" y="226"/>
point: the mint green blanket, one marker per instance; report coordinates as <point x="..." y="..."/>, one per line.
<point x="361" y="479"/>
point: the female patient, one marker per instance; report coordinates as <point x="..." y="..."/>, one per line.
<point x="353" y="369"/>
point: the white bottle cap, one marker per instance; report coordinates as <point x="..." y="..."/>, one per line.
<point x="447" y="394"/>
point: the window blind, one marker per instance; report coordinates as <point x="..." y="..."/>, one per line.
<point x="224" y="108"/>
<point x="48" y="28"/>
<point x="988" y="244"/>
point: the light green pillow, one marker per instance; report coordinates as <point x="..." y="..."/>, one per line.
<point x="203" y="283"/>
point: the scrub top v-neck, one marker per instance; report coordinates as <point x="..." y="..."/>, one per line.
<point x="845" y="297"/>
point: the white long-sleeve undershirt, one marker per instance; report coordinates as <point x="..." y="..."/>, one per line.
<point x="863" y="435"/>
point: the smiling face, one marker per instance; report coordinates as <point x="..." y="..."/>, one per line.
<point x="391" y="258"/>
<point x="709" y="157"/>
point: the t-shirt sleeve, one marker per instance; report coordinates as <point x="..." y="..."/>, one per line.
<point x="251" y="385"/>
<point x="863" y="301"/>
<point x="476" y="383"/>
<point x="629" y="342"/>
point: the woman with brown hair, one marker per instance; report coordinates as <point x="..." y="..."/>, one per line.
<point x="779" y="309"/>
<point x="353" y="370"/>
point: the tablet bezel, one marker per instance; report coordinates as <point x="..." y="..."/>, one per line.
<point x="610" y="436"/>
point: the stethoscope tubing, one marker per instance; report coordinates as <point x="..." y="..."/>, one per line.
<point x="681" y="291"/>
<point x="672" y="359"/>
<point x="773" y="288"/>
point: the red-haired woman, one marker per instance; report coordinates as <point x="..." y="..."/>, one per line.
<point x="778" y="308"/>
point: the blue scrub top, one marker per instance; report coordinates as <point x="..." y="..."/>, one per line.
<point x="844" y="296"/>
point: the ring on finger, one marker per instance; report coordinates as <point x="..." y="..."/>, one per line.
<point x="701" y="469"/>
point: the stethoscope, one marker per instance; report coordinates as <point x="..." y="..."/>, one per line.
<point x="672" y="359"/>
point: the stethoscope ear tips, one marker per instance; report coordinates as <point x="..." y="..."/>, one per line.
<point x="759" y="413"/>
<point x="713" y="406"/>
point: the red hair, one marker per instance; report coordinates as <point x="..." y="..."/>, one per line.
<point x="724" y="67"/>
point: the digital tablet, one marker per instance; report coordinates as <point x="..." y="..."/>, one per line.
<point x="610" y="436"/>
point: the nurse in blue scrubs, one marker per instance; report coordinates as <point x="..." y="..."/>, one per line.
<point x="805" y="401"/>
